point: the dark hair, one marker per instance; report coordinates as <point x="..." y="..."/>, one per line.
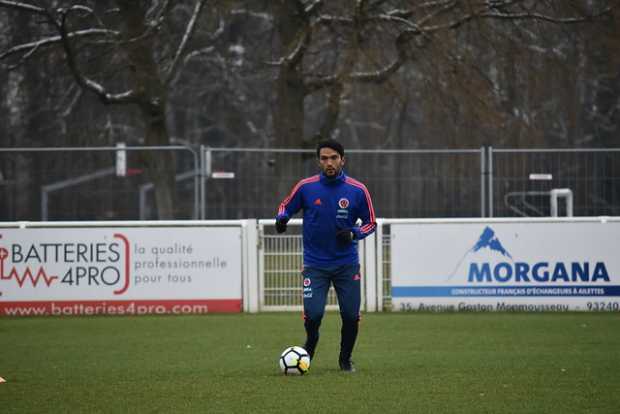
<point x="330" y="143"/>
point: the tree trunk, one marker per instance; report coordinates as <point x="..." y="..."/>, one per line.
<point x="289" y="108"/>
<point x="147" y="82"/>
<point x="288" y="113"/>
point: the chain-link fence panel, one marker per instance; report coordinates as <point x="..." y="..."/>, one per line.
<point x="522" y="181"/>
<point x="95" y="183"/>
<point x="282" y="263"/>
<point x="418" y="183"/>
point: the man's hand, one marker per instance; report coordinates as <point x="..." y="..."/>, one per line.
<point x="345" y="236"/>
<point x="280" y="225"/>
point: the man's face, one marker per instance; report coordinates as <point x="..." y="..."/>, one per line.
<point x="330" y="162"/>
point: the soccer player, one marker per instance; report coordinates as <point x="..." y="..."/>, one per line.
<point x="332" y="203"/>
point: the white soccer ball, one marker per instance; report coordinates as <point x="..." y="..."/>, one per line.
<point x="294" y="361"/>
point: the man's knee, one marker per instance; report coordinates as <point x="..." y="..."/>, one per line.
<point x="350" y="316"/>
<point x="313" y="316"/>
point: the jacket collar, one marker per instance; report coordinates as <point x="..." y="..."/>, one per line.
<point x="335" y="180"/>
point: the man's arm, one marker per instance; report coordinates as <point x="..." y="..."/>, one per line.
<point x="367" y="214"/>
<point x="289" y="207"/>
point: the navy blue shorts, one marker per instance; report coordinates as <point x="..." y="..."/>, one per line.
<point x="346" y="280"/>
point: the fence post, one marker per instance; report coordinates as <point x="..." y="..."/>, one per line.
<point x="483" y="176"/>
<point x="250" y="288"/>
<point x="261" y="265"/>
<point x="379" y="264"/>
<point x="490" y="179"/>
<point x="205" y="165"/>
<point x="197" y="188"/>
<point x="370" y="261"/>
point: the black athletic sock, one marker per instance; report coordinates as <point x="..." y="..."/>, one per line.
<point x="312" y="336"/>
<point x="348" y="336"/>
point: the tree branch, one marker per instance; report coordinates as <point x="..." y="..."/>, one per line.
<point x="31" y="47"/>
<point x="189" y="31"/>
<point x="161" y="11"/>
<point x="313" y="8"/>
<point x="497" y="10"/>
<point x="84" y="82"/>
<point x="18" y="5"/>
<point x="543" y="17"/>
<point x="377" y="76"/>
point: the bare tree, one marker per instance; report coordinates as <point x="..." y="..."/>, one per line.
<point x="144" y="64"/>
<point x="464" y="73"/>
<point x="280" y="73"/>
<point x="327" y="47"/>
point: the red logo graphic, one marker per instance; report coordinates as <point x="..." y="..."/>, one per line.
<point x="4" y="253"/>
<point x="307" y="282"/>
<point x="127" y="264"/>
<point x="317" y="202"/>
<point x="343" y="203"/>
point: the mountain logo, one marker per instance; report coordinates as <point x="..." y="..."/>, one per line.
<point x="487" y="240"/>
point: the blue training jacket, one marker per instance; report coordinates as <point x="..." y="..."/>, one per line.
<point x="330" y="205"/>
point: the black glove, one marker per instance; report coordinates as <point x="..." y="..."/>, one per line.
<point x="280" y="225"/>
<point x="345" y="236"/>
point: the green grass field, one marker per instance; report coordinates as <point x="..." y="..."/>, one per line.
<point x="407" y="363"/>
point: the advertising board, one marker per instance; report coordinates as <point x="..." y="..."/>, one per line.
<point x="504" y="266"/>
<point x="63" y="271"/>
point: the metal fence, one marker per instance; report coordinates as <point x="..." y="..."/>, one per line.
<point x="386" y="270"/>
<point x="88" y="183"/>
<point x="485" y="182"/>
<point x="520" y="181"/>
<point x="251" y="182"/>
<point x="237" y="183"/>
<point x="280" y="264"/>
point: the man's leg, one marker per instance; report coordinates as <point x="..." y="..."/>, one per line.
<point x="315" y="288"/>
<point x="347" y="283"/>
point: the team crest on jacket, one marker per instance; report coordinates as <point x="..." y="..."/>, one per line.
<point x="343" y="203"/>
<point x="307" y="281"/>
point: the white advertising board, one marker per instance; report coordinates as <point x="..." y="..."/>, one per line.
<point x="120" y="270"/>
<point x="506" y="266"/>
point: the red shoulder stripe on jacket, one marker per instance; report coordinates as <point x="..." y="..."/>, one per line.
<point x="370" y="226"/>
<point x="287" y="200"/>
